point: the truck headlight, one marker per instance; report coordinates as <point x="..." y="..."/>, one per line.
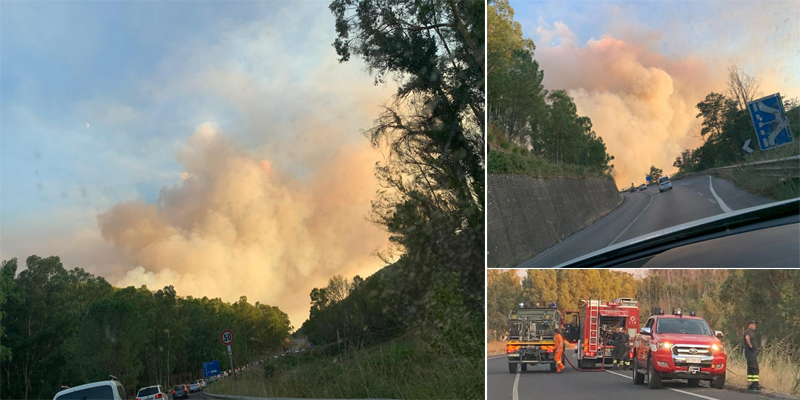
<point x="717" y="348"/>
<point x="665" y="345"/>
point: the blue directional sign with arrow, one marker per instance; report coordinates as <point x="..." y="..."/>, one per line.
<point x="770" y="121"/>
<point x="211" y="368"/>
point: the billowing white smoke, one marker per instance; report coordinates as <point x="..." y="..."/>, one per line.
<point x="640" y="103"/>
<point x="234" y="225"/>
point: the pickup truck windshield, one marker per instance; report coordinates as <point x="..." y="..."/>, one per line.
<point x="679" y="325"/>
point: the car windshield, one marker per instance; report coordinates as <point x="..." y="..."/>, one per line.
<point x="147" y="391"/>
<point x="95" y="393"/>
<point x="680" y="325"/>
<point x="179" y="387"/>
<point x="664" y="179"/>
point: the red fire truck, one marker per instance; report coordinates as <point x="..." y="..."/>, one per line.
<point x="591" y="328"/>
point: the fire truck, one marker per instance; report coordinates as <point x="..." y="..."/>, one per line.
<point x="593" y="325"/>
<point x="531" y="337"/>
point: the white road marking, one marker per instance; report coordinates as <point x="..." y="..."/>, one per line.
<point x="634" y="220"/>
<point x="721" y="203"/>
<point x="699" y="193"/>
<point x="492" y="358"/>
<point x="674" y="390"/>
<point x="515" y="392"/>
<point x="712" y="201"/>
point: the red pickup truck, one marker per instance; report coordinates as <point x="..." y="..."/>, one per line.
<point x="678" y="347"/>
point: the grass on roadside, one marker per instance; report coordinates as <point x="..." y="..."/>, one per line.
<point x="777" y="188"/>
<point x="779" y="370"/>
<point x="404" y="368"/>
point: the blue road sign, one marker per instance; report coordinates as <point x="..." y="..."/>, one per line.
<point x="647" y="178"/>
<point x="211" y="368"/>
<point x="770" y="122"/>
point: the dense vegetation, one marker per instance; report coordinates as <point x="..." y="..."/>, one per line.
<point x="69" y="327"/>
<point x="525" y="118"/>
<point x="726" y="125"/>
<point x="726" y="298"/>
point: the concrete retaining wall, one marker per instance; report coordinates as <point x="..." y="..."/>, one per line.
<point x="527" y="215"/>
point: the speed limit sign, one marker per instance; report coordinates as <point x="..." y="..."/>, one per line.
<point x="226" y="337"/>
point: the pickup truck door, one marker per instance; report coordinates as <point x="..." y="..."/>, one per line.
<point x="572" y="326"/>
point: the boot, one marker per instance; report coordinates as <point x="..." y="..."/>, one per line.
<point x="756" y="386"/>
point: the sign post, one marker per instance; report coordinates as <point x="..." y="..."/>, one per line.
<point x="770" y="122"/>
<point x="227" y="339"/>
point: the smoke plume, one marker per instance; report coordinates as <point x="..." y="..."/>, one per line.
<point x="235" y="225"/>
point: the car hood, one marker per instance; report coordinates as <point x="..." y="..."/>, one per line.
<point x="682" y="338"/>
<point x="667" y="238"/>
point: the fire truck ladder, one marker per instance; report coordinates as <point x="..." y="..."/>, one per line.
<point x="594" y="324"/>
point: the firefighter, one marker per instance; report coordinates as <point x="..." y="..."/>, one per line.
<point x="619" y="346"/>
<point x="625" y="348"/>
<point x="750" y="354"/>
<point x="559" y="345"/>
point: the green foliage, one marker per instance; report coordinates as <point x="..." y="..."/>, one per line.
<point x="525" y="164"/>
<point x="405" y="367"/>
<point x="432" y="203"/>
<point x="544" y="124"/>
<point x="726" y="125"/>
<point x="269" y="370"/>
<point x="68" y="327"/>
<point x="655" y="173"/>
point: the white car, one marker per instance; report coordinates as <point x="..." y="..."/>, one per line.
<point x="195" y="387"/>
<point x="104" y="390"/>
<point x="151" y="393"/>
<point x="664" y="184"/>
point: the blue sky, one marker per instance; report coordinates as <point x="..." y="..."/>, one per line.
<point x="147" y="76"/>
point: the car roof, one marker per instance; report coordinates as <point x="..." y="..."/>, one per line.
<point x="665" y="316"/>
<point x="87" y="386"/>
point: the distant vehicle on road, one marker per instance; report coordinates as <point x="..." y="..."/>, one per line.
<point x="632" y="189"/>
<point x="195" y="387"/>
<point x="678" y="347"/>
<point x="643" y="187"/>
<point x="151" y="393"/>
<point x="202" y="383"/>
<point x="104" y="390"/>
<point x="664" y="184"/>
<point x="180" y="392"/>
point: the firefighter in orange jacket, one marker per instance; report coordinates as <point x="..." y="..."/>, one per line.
<point x="559" y="345"/>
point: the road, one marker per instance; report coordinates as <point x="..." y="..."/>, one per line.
<point x="540" y="383"/>
<point x="648" y="211"/>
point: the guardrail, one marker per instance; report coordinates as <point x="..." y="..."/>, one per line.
<point x="782" y="168"/>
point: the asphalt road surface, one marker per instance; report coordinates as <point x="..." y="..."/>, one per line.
<point x="648" y="211"/>
<point x="539" y="383"/>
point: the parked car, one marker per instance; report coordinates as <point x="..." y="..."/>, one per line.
<point x="180" y="392"/>
<point x="103" y="390"/>
<point x="151" y="393"/>
<point x="664" y="184"/>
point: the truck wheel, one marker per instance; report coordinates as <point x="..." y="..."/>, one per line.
<point x="653" y="377"/>
<point x="523" y="367"/>
<point x="638" y="377"/>
<point x="718" y="382"/>
<point x="512" y="368"/>
<point x="694" y="382"/>
<point x="553" y="366"/>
